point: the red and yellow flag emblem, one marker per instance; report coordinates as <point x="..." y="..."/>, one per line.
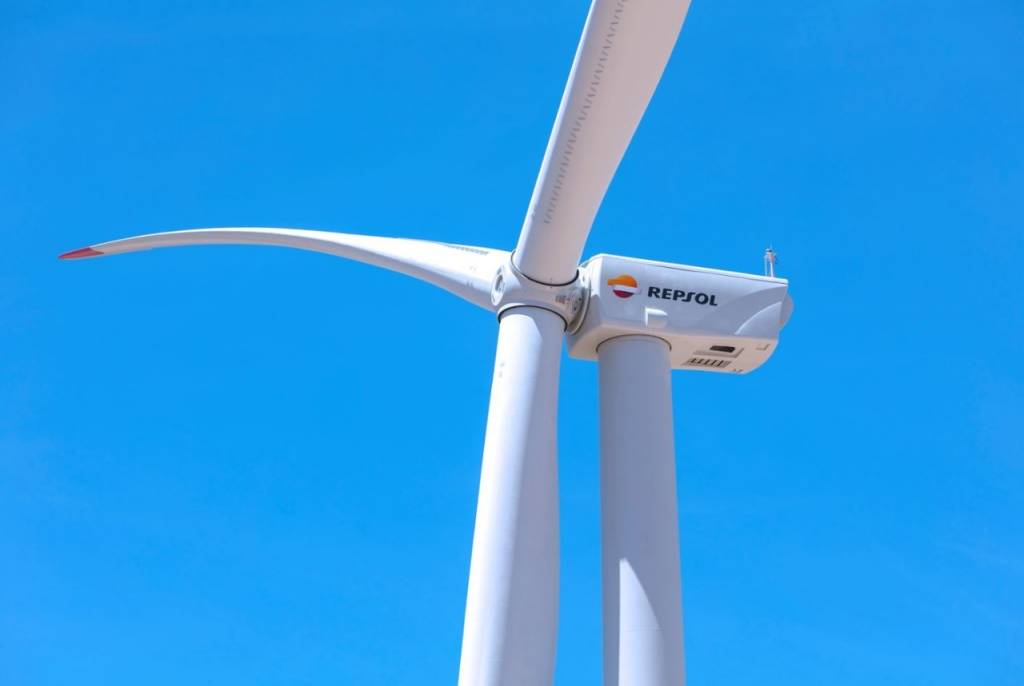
<point x="623" y="286"/>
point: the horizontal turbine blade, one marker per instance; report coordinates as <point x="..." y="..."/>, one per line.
<point x="463" y="270"/>
<point x="619" y="61"/>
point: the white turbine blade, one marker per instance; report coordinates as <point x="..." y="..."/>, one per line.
<point x="512" y="603"/>
<point x="620" y="58"/>
<point x="463" y="270"/>
<point x="643" y="622"/>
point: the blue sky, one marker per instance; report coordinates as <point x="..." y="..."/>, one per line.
<point x="259" y="466"/>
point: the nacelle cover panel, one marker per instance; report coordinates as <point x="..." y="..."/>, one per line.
<point x="714" y="320"/>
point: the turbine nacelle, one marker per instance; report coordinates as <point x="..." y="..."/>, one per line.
<point x="712" y="320"/>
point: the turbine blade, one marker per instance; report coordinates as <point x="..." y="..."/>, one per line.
<point x="463" y="270"/>
<point x="78" y="254"/>
<point x="512" y="602"/>
<point x="619" y="61"/>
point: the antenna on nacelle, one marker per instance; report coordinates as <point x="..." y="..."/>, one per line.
<point x="770" y="257"/>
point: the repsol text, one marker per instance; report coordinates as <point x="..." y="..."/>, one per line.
<point x="682" y="296"/>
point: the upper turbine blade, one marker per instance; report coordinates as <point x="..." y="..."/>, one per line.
<point x="620" y="58"/>
<point x="463" y="270"/>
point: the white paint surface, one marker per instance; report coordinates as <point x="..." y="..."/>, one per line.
<point x="512" y="604"/>
<point x="619" y="61"/>
<point x="466" y="271"/>
<point x="643" y="623"/>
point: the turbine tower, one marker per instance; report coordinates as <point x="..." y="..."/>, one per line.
<point x="638" y="319"/>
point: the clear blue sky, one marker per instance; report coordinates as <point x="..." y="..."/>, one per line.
<point x="258" y="466"/>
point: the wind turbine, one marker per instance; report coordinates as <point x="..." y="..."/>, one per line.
<point x="639" y="319"/>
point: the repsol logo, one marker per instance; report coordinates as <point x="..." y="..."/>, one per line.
<point x="681" y="296"/>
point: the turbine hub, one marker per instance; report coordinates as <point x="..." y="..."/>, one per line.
<point x="511" y="288"/>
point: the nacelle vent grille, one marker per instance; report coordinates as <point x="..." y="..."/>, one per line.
<point x="707" y="362"/>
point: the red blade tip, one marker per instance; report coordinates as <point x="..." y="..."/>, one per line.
<point x="81" y="252"/>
